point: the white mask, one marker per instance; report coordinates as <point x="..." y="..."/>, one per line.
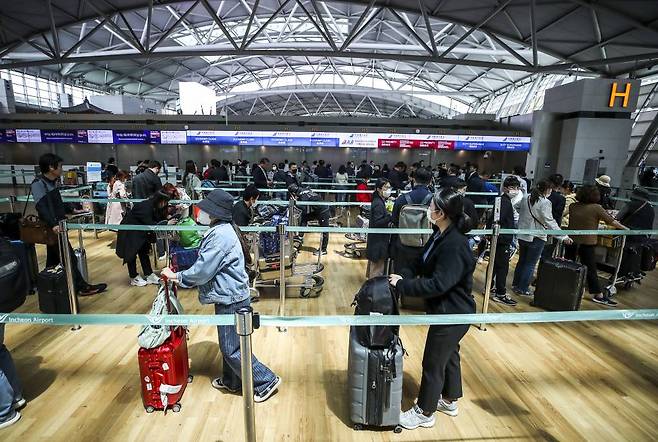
<point x="203" y="218"/>
<point x="429" y="216"/>
<point x="387" y="193"/>
<point x="513" y="193"/>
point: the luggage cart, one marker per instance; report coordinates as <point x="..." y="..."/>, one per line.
<point x="304" y="277"/>
<point x="612" y="251"/>
<point x="357" y="248"/>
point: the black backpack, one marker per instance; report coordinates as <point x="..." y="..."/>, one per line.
<point x="13" y="284"/>
<point x="376" y="296"/>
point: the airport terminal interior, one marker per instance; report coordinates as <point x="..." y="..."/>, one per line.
<point x="473" y="182"/>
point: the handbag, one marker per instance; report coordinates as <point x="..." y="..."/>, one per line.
<point x="33" y="230"/>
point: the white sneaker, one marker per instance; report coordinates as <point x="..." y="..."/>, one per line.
<point x="11" y="421"/>
<point x="138" y="281"/>
<point x="414" y="418"/>
<point x="449" y="408"/>
<point x="153" y="279"/>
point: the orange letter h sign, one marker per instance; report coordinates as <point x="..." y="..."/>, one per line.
<point x="625" y="95"/>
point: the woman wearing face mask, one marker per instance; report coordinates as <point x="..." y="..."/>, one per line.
<point x="378" y="243"/>
<point x="137" y="243"/>
<point x="535" y="213"/>
<point x="443" y="276"/>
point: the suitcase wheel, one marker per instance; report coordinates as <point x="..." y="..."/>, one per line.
<point x="176" y="408"/>
<point x="357" y="427"/>
<point x="190" y="378"/>
<point x="397" y="429"/>
<point x="304" y="292"/>
<point x="150" y="409"/>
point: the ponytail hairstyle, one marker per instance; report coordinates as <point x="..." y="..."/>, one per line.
<point x="451" y="203"/>
<point x="539" y="190"/>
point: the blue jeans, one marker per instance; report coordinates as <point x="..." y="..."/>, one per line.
<point x="10" y="386"/>
<point x="229" y="345"/>
<point x="529" y="254"/>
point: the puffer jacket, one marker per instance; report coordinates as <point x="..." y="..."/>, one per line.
<point x="219" y="272"/>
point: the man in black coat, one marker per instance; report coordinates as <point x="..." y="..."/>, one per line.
<point x="321" y="170"/>
<point x="377" y="245"/>
<point x="147" y="183"/>
<point x="396" y="177"/>
<point x="451" y="178"/>
<point x="474" y="183"/>
<point x="259" y="173"/>
<point x="511" y="187"/>
<point x="243" y="212"/>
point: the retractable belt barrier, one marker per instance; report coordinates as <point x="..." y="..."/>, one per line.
<point x="196" y="201"/>
<point x="332" y="321"/>
<point x="330" y="191"/>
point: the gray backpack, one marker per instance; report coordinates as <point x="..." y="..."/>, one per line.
<point x="154" y="335"/>
<point x="414" y="216"/>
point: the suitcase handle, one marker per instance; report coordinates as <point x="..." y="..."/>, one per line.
<point x="165" y="280"/>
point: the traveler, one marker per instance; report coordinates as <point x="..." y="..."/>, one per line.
<point x="377" y="172"/>
<point x="243" y="212"/>
<point x="558" y="202"/>
<point x="111" y="168"/>
<point x="292" y="177"/>
<point x="385" y="171"/>
<point x="342" y="180"/>
<point x="322" y="171"/>
<point x="535" y="213"/>
<point x="519" y="172"/>
<point x="451" y="178"/>
<point x="422" y="196"/>
<point x="638" y="214"/>
<point x="317" y="212"/>
<point x="279" y="175"/>
<point x="365" y="195"/>
<point x="180" y="209"/>
<point x="137" y="243"/>
<point x="259" y="173"/>
<point x="116" y="189"/>
<point x="469" y="206"/>
<point x="603" y="184"/>
<point x="221" y="277"/>
<point x="396" y="176"/>
<point x="568" y="190"/>
<point x="377" y="244"/>
<point x="191" y="180"/>
<point x="350" y="168"/>
<point x="217" y="172"/>
<point x="475" y="183"/>
<point x="147" y="183"/>
<point x="51" y="210"/>
<point x="444" y="278"/>
<point x="11" y="392"/>
<point x="585" y="214"/>
<point x="511" y="187"/>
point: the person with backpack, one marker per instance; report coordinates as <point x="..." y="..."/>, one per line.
<point x="410" y="212"/>
<point x="317" y="212"/>
<point x="443" y="276"/>
<point x="221" y="277"/>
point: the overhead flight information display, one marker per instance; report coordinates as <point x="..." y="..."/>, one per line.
<point x="269" y="138"/>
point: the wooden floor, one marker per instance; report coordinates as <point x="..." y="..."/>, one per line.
<point x="585" y="381"/>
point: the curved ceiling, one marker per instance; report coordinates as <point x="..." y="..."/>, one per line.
<point x="461" y="49"/>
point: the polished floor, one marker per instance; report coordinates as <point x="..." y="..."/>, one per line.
<point x="566" y="382"/>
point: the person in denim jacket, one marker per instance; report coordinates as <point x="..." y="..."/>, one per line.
<point x="221" y="278"/>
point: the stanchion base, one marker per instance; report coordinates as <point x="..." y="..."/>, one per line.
<point x="76" y="327"/>
<point x="282" y="329"/>
<point x="482" y="327"/>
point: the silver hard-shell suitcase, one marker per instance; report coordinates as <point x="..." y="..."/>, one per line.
<point x="81" y="257"/>
<point x="375" y="385"/>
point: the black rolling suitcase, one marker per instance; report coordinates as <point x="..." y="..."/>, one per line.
<point x="631" y="261"/>
<point x="29" y="265"/>
<point x="560" y="284"/>
<point x="53" y="291"/>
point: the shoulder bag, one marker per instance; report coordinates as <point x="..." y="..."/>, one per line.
<point x="33" y="230"/>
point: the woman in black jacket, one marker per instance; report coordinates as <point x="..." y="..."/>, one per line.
<point x="134" y="243"/>
<point x="444" y="279"/>
<point x="378" y="243"/>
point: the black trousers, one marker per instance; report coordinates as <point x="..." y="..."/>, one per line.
<point x="441" y="366"/>
<point x="323" y="221"/>
<point x="144" y="259"/>
<point x="53" y="259"/>
<point x="588" y="259"/>
<point x="501" y="268"/>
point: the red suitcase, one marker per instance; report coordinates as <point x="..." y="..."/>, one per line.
<point x="165" y="372"/>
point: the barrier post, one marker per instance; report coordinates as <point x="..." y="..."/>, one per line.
<point x="281" y="231"/>
<point x="11" y="203"/>
<point x="492" y="258"/>
<point x="245" y="320"/>
<point x="68" y="269"/>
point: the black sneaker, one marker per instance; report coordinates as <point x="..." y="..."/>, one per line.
<point x="219" y="385"/>
<point x="93" y="289"/>
<point x="504" y="299"/>
<point x="604" y="300"/>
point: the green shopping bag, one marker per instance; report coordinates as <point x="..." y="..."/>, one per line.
<point x="189" y="238"/>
